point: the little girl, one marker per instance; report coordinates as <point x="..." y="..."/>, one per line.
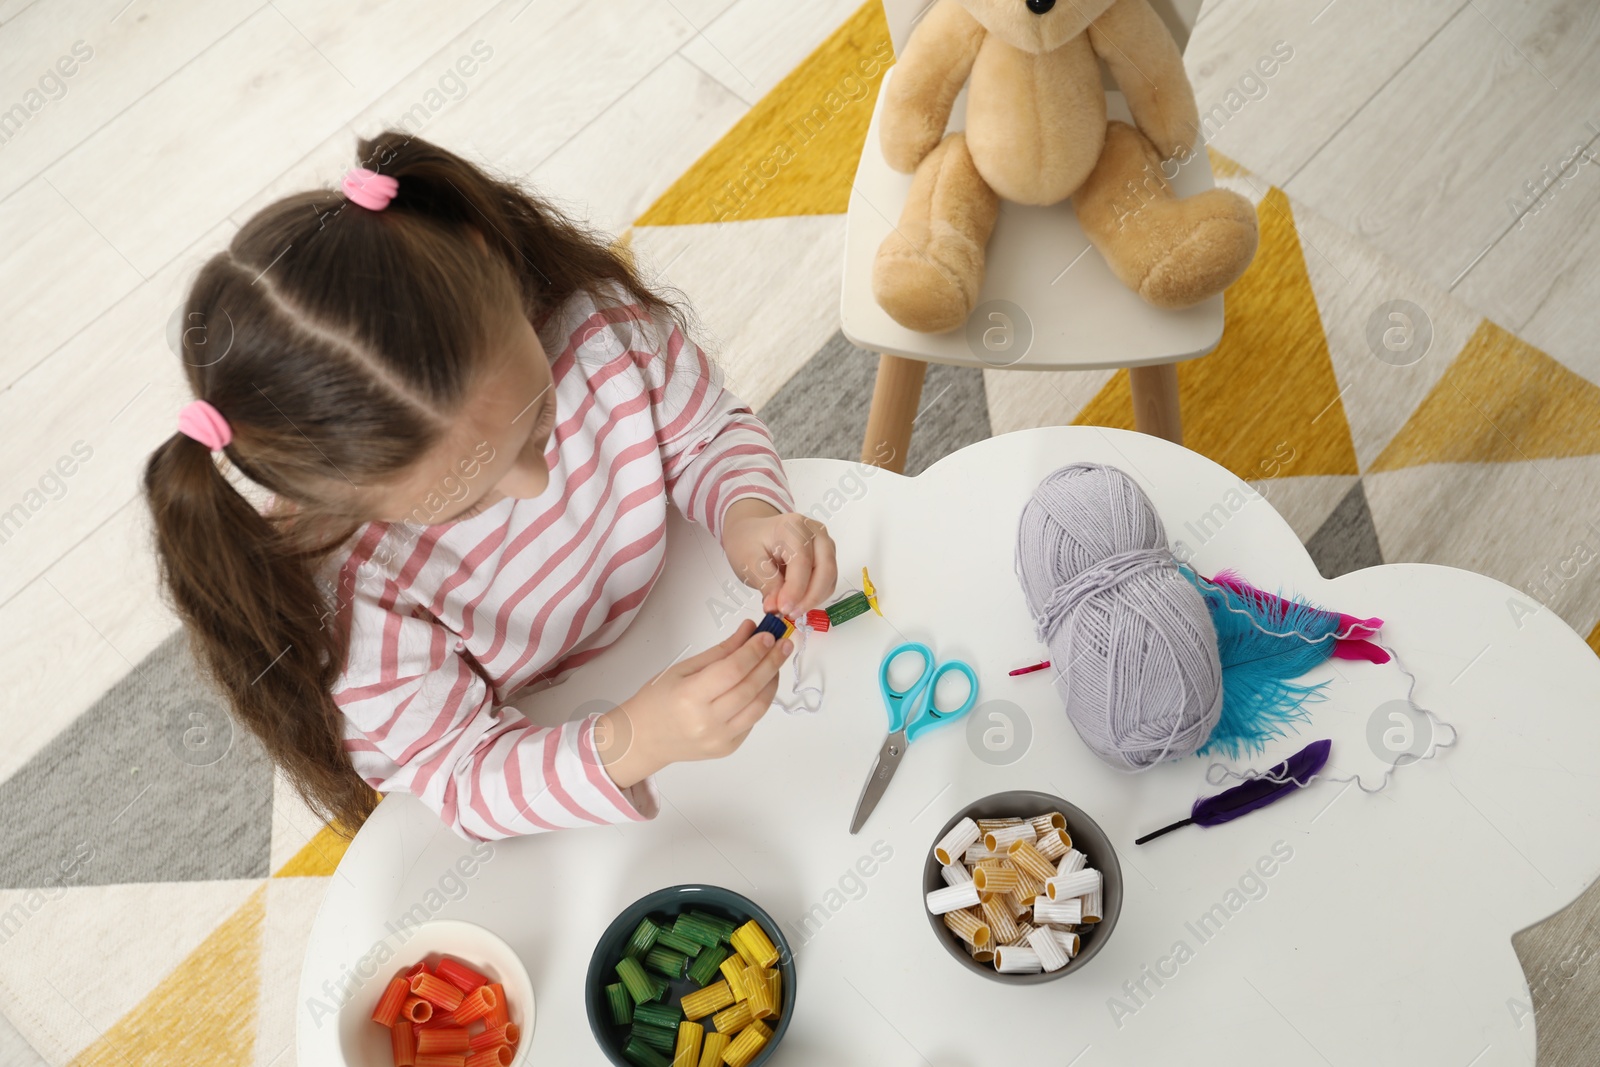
<point x="470" y="416"/>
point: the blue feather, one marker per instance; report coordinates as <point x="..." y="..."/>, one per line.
<point x="1260" y="700"/>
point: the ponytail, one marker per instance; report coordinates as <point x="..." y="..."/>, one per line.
<point x="248" y="596"/>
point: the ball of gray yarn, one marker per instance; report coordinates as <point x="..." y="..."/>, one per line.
<point x="1133" y="649"/>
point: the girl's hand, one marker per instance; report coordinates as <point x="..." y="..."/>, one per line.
<point x="702" y="708"/>
<point x="787" y="556"/>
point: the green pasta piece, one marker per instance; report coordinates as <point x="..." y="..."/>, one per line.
<point x="621" y="1003"/>
<point x="640" y="986"/>
<point x="724" y="926"/>
<point x="705" y="966"/>
<point x="642" y="1055"/>
<point x="659" y="1015"/>
<point x="658" y="986"/>
<point x="655" y="1036"/>
<point x="674" y="940"/>
<point x="696" y="930"/>
<point x="667" y="961"/>
<point x="644" y="936"/>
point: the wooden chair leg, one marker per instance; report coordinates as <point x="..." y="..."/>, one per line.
<point x="1155" y="401"/>
<point x="894" y="407"/>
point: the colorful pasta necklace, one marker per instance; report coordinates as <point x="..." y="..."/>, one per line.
<point x="817" y="620"/>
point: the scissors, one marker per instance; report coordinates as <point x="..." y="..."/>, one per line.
<point x="912" y="713"/>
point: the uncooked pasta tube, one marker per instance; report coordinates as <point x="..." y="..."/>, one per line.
<point x="999" y="840"/>
<point x="995" y="879"/>
<point x="1015" y="959"/>
<point x="1057" y="912"/>
<point x="950" y="898"/>
<point x="1075" y="884"/>
<point x="1029" y="860"/>
<point x="1043" y="824"/>
<point x="1001" y="922"/>
<point x="968" y="927"/>
<point x="1091" y="906"/>
<point x="955" y="873"/>
<point x="1053" y="844"/>
<point x="961" y="836"/>
<point x="1051" y="958"/>
<point x="1071" y="860"/>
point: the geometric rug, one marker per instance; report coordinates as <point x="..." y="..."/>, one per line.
<point x="149" y="851"/>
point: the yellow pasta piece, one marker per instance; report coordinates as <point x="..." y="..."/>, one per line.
<point x="731" y="1020"/>
<point x="997" y="915"/>
<point x="996" y="879"/>
<point x="1030" y="861"/>
<point x="985" y="825"/>
<point x="711" y="1051"/>
<point x="968" y="927"/>
<point x="741" y="945"/>
<point x="687" y="1053"/>
<point x="760" y="990"/>
<point x="1053" y="845"/>
<point x="750" y="1041"/>
<point x="733" y="971"/>
<point x="761" y="946"/>
<point x="1043" y="824"/>
<point x="703" y="1002"/>
<point x="775" y="984"/>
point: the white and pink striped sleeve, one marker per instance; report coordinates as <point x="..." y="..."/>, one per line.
<point x="714" y="450"/>
<point x="422" y="720"/>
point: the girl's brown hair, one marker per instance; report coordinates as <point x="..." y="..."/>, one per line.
<point x="337" y="342"/>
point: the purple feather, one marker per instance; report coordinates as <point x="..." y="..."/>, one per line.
<point x="1277" y="783"/>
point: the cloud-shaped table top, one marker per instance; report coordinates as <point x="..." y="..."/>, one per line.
<point x="1380" y="936"/>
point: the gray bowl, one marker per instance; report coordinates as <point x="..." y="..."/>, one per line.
<point x="1087" y="837"/>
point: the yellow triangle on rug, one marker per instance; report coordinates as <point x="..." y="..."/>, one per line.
<point x="1266" y="403"/>
<point x="1501" y="401"/>
<point x="795" y="152"/>
<point x="202" y="1012"/>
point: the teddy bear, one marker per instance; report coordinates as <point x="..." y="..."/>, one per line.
<point x="1036" y="133"/>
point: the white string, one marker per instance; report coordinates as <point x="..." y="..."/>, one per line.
<point x="1404" y="759"/>
<point x="796" y="703"/>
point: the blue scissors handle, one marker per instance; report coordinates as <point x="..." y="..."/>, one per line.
<point x="913" y="709"/>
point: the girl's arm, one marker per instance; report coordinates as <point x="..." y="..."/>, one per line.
<point x="714" y="450"/>
<point x="423" y="721"/>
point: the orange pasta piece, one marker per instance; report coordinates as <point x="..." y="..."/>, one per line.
<point x="420" y="968"/>
<point x="437" y="991"/>
<point x="495" y="1035"/>
<point x="499" y="1056"/>
<point x="392" y="1000"/>
<point x="499" y="1015"/>
<point x="403" y="1043"/>
<point x="513" y="1034"/>
<point x="475" y="1005"/>
<point x="443" y="1039"/>
<point x="416" y="1009"/>
<point x="465" y="978"/>
<point x="441" y="1059"/>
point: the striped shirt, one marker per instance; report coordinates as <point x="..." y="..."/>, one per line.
<point x="447" y="621"/>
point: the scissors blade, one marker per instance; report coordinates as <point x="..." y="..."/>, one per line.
<point x="883" y="768"/>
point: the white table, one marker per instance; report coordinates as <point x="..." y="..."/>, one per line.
<point x="1385" y="939"/>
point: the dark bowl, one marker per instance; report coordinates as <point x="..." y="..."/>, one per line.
<point x="1087" y="837"/>
<point x="672" y="901"/>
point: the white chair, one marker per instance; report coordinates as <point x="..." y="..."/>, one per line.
<point x="1074" y="313"/>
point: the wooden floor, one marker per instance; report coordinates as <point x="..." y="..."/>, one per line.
<point x="1460" y="137"/>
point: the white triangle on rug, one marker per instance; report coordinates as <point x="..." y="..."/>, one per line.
<point x="1021" y="400"/>
<point x="292" y="905"/>
<point x="1305" y="503"/>
<point x="293" y="824"/>
<point x="102" y="948"/>
<point x="1478" y="516"/>
<point x="766" y="291"/>
<point x="1356" y="289"/>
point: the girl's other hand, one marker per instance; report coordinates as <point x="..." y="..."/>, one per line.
<point x="701" y="708"/>
<point x="787" y="556"/>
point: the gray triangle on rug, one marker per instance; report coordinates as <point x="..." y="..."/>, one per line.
<point x="822" y="410"/>
<point x="155" y="782"/>
<point x="1347" y="540"/>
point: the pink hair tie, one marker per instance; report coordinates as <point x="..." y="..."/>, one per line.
<point x="369" y="189"/>
<point x="202" y="422"/>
